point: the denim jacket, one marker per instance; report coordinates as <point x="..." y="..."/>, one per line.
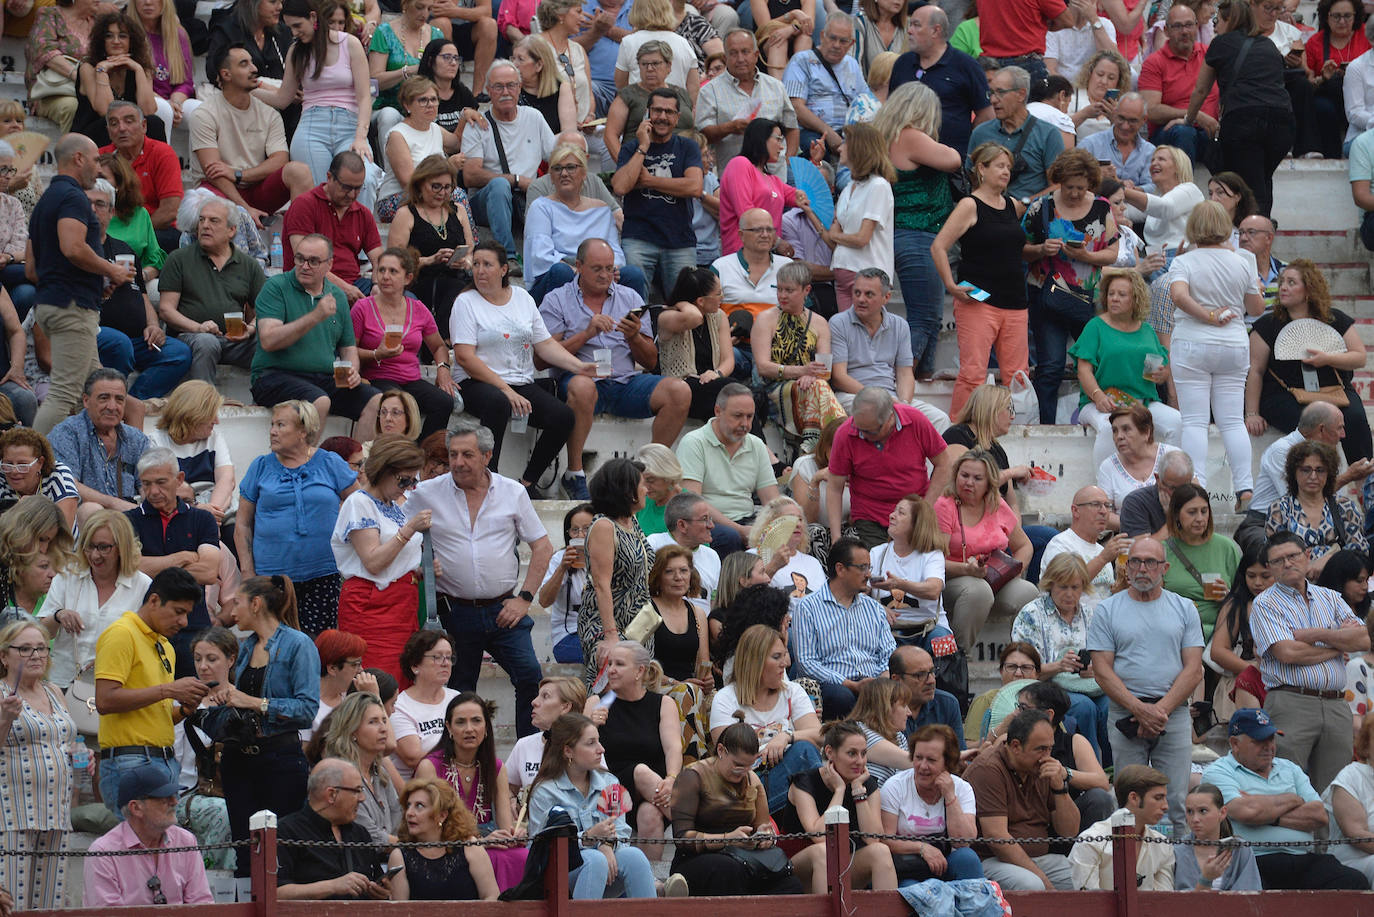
<point x="291" y="682"/>
<point x="582" y="809"/>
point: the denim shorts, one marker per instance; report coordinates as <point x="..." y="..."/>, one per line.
<point x="629" y="398"/>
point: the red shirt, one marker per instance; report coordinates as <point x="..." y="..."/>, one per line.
<point x="1174" y="78"/>
<point x="1357" y="45"/>
<point x="880" y="474"/>
<point x="158" y="170"/>
<point x="1015" y="28"/>
<point x="353" y="235"/>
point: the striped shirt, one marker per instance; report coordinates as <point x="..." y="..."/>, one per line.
<point x="1276" y="613"/>
<point x="833" y="642"/>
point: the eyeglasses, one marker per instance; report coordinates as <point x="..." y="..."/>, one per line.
<point x="440" y="658"/>
<point x="155" y="886"/>
<point x="25" y="652"/>
<point x="351" y="789"/>
<point x="507" y="87"/>
<point x="1023" y="707"/>
<point x="1254" y="232"/>
<point x="1340" y="17"/>
<point x="102" y="548"/>
<point x="407" y="482"/>
<point x="440" y="187"/>
<point x="653" y="64"/>
<point x="1286" y="560"/>
<point x="1312" y="470"/>
<point x="1022" y="668"/>
<point x="1273" y="9"/>
<point x="1181" y="26"/>
<point x="566" y="169"/>
<point x="100" y="205"/>
<point x="162" y="657"/>
<point x="702" y="519"/>
<point x="312" y="262"/>
<point x="427" y="100"/>
<point x="921" y="675"/>
<point x="19" y="467"/>
<point x="1001" y="92"/>
<point x="1096" y="504"/>
<point x="11" y="170"/>
<point x="1149" y="563"/>
<point x="761" y="230"/>
<point x="863" y="567"/>
<point x="351" y="189"/>
<point x="660" y="110"/>
<point x="448" y="58"/>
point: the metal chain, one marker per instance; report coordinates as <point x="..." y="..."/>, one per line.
<point x="137" y="851"/>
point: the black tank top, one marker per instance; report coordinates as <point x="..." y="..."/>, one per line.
<point x="677" y="653"/>
<point x="444" y="879"/>
<point x="991" y="254"/>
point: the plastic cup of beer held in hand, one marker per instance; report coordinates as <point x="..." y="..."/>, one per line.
<point x="233" y="324"/>
<point x="1153" y="364"/>
<point x="827" y="360"/>
<point x="342" y="369"/>
<point x="1213" y="587"/>
<point x="392" y="337"/>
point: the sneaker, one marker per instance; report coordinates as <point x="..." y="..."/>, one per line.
<point x="676" y="886"/>
<point x="575" y="486"/>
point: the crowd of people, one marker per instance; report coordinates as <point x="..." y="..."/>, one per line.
<point x="694" y="222"/>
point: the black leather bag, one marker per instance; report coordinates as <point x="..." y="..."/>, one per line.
<point x="766" y="865"/>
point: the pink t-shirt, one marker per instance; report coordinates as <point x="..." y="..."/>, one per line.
<point x="743" y="187"/>
<point x="990" y="534"/>
<point x="881" y="474"/>
<point x="369" y="329"/>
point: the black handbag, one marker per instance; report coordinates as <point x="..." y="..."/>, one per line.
<point x="768" y="864"/>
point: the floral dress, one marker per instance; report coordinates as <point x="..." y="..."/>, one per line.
<point x="629" y="593"/>
<point x="1285" y="514"/>
<point x="1043" y="222"/>
<point x="801" y="412"/>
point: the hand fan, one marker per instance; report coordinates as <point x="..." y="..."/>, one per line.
<point x="1303" y="333"/>
<point x="776" y="535"/>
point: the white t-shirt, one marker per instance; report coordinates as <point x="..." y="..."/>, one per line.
<point x="324" y="711"/>
<point x="704" y="559"/>
<point x="1068" y="542"/>
<point x="216" y="445"/>
<point x="527" y="139"/>
<point x="522" y="764"/>
<point x="792" y="705"/>
<point x="684" y="56"/>
<point x="870" y="199"/>
<point x="360" y="510"/>
<point x="805" y="467"/>
<point x="1072" y="47"/>
<point x="917" y="567"/>
<point x="1113" y="477"/>
<point x="1217" y="278"/>
<point x="803" y="574"/>
<point x="567" y="603"/>
<point x="1044" y="111"/>
<point x="421" y="144"/>
<point x="915" y="816"/>
<point x="503" y="335"/>
<point x="413" y="718"/>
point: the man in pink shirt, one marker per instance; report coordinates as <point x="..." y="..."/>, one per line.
<point x="148" y="801"/>
<point x="881" y="452"/>
<point x="1166" y="83"/>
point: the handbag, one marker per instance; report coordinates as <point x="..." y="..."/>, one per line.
<point x="1000" y="567"/>
<point x="762" y="865"/>
<point x="1334" y="395"/>
<point x="49" y="84"/>
<point x="80" y="698"/>
<point x="644" y="624"/>
<point x="1062" y="298"/>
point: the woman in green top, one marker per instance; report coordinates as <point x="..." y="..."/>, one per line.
<point x="131" y="223"/>
<point x="1202" y="563"/>
<point x="394" y="55"/>
<point x="663" y="478"/>
<point x="1111" y="355"/>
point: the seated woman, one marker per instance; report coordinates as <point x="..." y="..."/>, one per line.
<point x="979" y="523"/>
<point x="627" y="112"/>
<point x="131" y="222"/>
<point x="908" y="574"/>
<point x="655" y="20"/>
<point x="680" y="642"/>
<point x="1115" y="353"/>
<point x="746" y="182"/>
<point x="421" y="713"/>
<point x="694" y="342"/>
<point x="1167" y="207"/>
<point x="439" y="63"/>
<point x="58" y="37"/>
<point x="793" y="567"/>
<point x="984" y="419"/>
<point x="784" y="29"/>
<point x="14" y="234"/>
<point x="341" y="673"/>
<point x="398" y="414"/>
<point x="926" y="805"/>
<point x="432" y="813"/>
<point x="1232" y="647"/>
<point x="169" y="49"/>
<point x="843" y="780"/>
<point x="881" y="711"/>
<point x="556" y="226"/>
<point x="719" y="799"/>
<point x="571" y="776"/>
<point x="437" y="230"/>
<point x="1017" y="663"/>
<point x="189" y="426"/>
<point x="28" y="466"/>
<point x="811" y="481"/>
<point x="1106" y="71"/>
<point x="391" y="62"/>
<point x="1204" y="864"/>
<point x="561" y="592"/>
<point x="413" y="140"/>
<point x="466" y="759"/>
<point x="1274" y="387"/>
<point x="357" y="732"/>
<point x="1347" y="572"/>
<point x="543" y="85"/>
<point x="1136" y="460"/>
<point x="1201" y="562"/>
<point x="1312" y="509"/>
<point x="662" y="480"/>
<point x="118" y="66"/>
<point x="1350" y="802"/>
<point x="642" y="736"/>
<point x="556" y="697"/>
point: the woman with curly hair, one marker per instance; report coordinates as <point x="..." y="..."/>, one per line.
<point x="434" y="813"/>
<point x="1105" y="71"/>
<point x="118" y="66"/>
<point x="1312" y="510"/>
<point x="28" y="466"/>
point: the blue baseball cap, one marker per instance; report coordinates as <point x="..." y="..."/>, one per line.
<point x="1253" y="722"/>
<point x="146" y="782"/>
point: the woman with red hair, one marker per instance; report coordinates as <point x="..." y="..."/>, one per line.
<point x="341" y="667"/>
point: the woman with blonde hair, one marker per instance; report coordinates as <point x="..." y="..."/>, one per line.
<point x="359" y="733"/>
<point x="792" y="565"/>
<point x="923" y="203"/>
<point x="1106" y="70"/>
<point x="1213" y="287"/>
<point x="433" y="812"/>
<point x="557" y="696"/>
<point x="908" y="573"/>
<point x="654" y="20"/>
<point x="1167" y="207"/>
<point x="866" y="105"/>
<point x="543" y="86"/>
<point x="811" y="482"/>
<point x="663" y="479"/>
<point x="881" y="711"/>
<point x="189" y="426"/>
<point x="985" y="418"/>
<point x="1115" y="352"/>
<point x="861" y="234"/>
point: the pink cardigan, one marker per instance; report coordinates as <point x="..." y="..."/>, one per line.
<point x="743" y="187"/>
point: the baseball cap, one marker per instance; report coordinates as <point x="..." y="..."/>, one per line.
<point x="146" y="781"/>
<point x="1253" y="722"/>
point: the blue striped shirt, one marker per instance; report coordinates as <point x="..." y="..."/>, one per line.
<point x="1276" y="613"/>
<point x="833" y="642"/>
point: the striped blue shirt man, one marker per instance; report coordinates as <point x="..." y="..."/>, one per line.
<point x="1280" y="610"/>
<point x="834" y="643"/>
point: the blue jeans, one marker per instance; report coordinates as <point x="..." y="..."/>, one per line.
<point x="494" y="207"/>
<point x="323" y="132"/>
<point x="657" y="265"/>
<point x="836" y="701"/>
<point x="922" y="291"/>
<point x="634" y="875"/>
<point x="561" y="274"/>
<point x="800" y="757"/>
<point x="1091" y="713"/>
<point x="21" y="291"/>
<point x="961" y="863"/>
<point x="112" y="768"/>
<point x="725" y="540"/>
<point x="1190" y="139"/>
<point x="475" y="630"/>
<point x="568" y="650"/>
<point x="23" y="400"/>
<point x="1039" y="536"/>
<point x="1055" y="318"/>
<point x="159" y="371"/>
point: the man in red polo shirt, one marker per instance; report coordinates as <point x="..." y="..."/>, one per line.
<point x="1012" y="32"/>
<point x="1166" y="83"/>
<point x="881" y="451"/>
<point x="332" y="209"/>
<point x="154" y="162"/>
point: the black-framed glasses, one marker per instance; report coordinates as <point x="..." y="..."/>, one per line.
<point x="566" y="168"/>
<point x="352" y="789"/>
<point x="312" y="262"/>
<point x="7" y="171"/>
<point x="441" y="187"/>
<point x="864" y="567"/>
<point x="448" y="58"/>
<point x="921" y="675"/>
<point x="100" y="547"/>
<point x="155" y="886"/>
<point x="351" y="189"/>
<point x="26" y="652"/>
<point x="166" y="666"/>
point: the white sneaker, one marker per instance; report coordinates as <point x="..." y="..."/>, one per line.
<point x="676" y="886"/>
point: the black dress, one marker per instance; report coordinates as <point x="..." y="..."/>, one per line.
<point x="437" y="285"/>
<point x="630" y="737"/>
<point x="87" y="122"/>
<point x="546" y="106"/>
<point x="677" y="653"/>
<point x="444" y="879"/>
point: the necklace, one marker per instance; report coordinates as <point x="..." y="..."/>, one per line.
<point x="441" y="228"/>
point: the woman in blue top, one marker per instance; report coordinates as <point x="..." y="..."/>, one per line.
<point x="276" y="693"/>
<point x="571" y="776"/>
<point x="288" y="502"/>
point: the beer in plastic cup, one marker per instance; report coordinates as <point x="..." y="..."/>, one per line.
<point x="1153" y="362"/>
<point x="603" y="362"/>
<point x="578" y="545"/>
<point x="233" y="324"/>
<point x="519" y="423"/>
<point x="827" y="360"/>
<point x="342" y="369"/>
<point x="392" y="337"/>
<point x="1213" y="587"/>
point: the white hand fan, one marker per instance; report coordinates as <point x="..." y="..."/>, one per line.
<point x="1301" y="334"/>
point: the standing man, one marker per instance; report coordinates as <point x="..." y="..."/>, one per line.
<point x="822" y="84"/>
<point x="101" y="450"/>
<point x="840" y="633"/>
<point x="1089" y="513"/>
<point x="1122" y="146"/>
<point x="659" y="176"/>
<point x="64" y="259"/>
<point x="1167" y="78"/>
<point x="501" y="162"/>
<point x="156" y="165"/>
<point x="138" y="700"/>
<point x="479" y="517"/>
<point x="955" y="77"/>
<point x="727" y="104"/>
<point x="729" y="467"/>
<point x="1302" y="632"/>
<point x="332" y="210"/>
<point x="1034" y="144"/>
<point x="688" y="518"/>
<point x="1146" y="647"/>
<point x="1012" y="32"/>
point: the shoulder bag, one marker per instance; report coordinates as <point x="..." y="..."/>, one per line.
<point x="1001" y="567"/>
<point x="49" y="84"/>
<point x="80" y="698"/>
<point x="1334" y="395"/>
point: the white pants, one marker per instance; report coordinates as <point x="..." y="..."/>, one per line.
<point x="1167" y="424"/>
<point x="164" y="111"/>
<point x="938" y="418"/>
<point x="1210" y="379"/>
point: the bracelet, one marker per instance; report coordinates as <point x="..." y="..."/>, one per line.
<point x="861" y="798"/>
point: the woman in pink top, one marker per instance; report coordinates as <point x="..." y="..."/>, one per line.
<point x="746" y="183"/>
<point x="978" y="522"/>
<point x="330" y="70"/>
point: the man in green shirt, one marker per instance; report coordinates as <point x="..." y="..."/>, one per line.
<point x="203" y="282"/>
<point x="305" y="337"/>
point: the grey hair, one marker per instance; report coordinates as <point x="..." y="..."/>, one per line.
<point x="731" y="390"/>
<point x="104" y="374"/>
<point x="679" y="508"/>
<point x="329" y="772"/>
<point x="571" y="138"/>
<point x="124" y="103"/>
<point x="215" y="199"/>
<point x="938" y="19"/>
<point x="875" y="399"/>
<point x="103" y="186"/>
<point x="1178" y="462"/>
<point x="1020" y="78"/>
<point x="1134" y="96"/>
<point x="878" y="274"/>
<point x="640" y="655"/>
<point x="6" y="150"/>
<point x="468" y="426"/>
<point x="795" y="273"/>
<point x="660" y="461"/>
<point x="507" y="62"/>
<point x="157" y="457"/>
<point x="838" y="18"/>
<point x="1316" y="414"/>
<point x="733" y="32"/>
<point x="652" y="47"/>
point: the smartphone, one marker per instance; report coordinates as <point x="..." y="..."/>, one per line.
<point x="460" y="253"/>
<point x="1113" y="95"/>
<point x="212" y="684"/>
<point x="391" y="871"/>
<point x="1085" y="658"/>
<point x="974" y="292"/>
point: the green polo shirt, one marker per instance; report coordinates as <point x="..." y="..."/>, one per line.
<point x="728" y="482"/>
<point x="207" y="292"/>
<point x="282" y="297"/>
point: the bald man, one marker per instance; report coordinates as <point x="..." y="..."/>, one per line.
<point x="1091" y="511"/>
<point x="749" y="277"/>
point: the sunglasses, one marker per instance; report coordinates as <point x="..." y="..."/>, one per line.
<point x="166" y="667"/>
<point x="155" y="886"/>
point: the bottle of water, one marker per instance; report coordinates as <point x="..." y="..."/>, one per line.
<point x="81" y="771"/>
<point x="275" y="255"/>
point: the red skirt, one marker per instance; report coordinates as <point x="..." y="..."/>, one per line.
<point x="385" y="618"/>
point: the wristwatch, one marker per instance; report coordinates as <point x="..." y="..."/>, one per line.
<point x="1097" y="24"/>
<point x="525" y="594"/>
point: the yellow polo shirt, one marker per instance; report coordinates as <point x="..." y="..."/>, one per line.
<point x="127" y="653"/>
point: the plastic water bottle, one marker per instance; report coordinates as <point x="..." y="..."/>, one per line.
<point x="275" y="255"/>
<point x="81" y="771"/>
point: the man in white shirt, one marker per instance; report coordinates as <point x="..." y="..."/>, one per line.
<point x="504" y="160"/>
<point x="479" y="517"/>
<point x="727" y="104"/>
<point x="688" y="518"/>
<point x="1090" y="512"/>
